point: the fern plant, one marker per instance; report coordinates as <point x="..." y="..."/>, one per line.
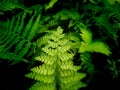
<point x="102" y="20"/>
<point x="56" y="49"/>
<point x="57" y="70"/>
<point x="88" y="46"/>
<point x="16" y="37"/>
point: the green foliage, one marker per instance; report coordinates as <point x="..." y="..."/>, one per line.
<point x="62" y="54"/>
<point x="104" y="18"/>
<point x="88" y="45"/>
<point x="51" y="4"/>
<point x="57" y="70"/>
<point x="113" y="68"/>
<point x="67" y="14"/>
<point x="16" y="37"/>
<point x="87" y="65"/>
<point x="7" y="5"/>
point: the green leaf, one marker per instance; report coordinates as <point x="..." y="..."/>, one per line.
<point x="100" y="47"/>
<point x="50" y="5"/>
<point x="86" y="35"/>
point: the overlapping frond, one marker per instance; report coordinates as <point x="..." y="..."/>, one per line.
<point x="16" y="37"/>
<point x="88" y="45"/>
<point x="57" y="70"/>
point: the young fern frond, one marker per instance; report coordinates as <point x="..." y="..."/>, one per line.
<point x="57" y="71"/>
<point x="16" y="37"/>
<point x="88" y="45"/>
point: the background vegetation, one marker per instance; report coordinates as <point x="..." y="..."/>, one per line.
<point x="85" y="33"/>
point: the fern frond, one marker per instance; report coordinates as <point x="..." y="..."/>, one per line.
<point x="51" y="4"/>
<point x="17" y="37"/>
<point x="103" y="22"/>
<point x="87" y="64"/>
<point x="36" y="8"/>
<point x="25" y="49"/>
<point x="88" y="45"/>
<point x="98" y="46"/>
<point x="67" y="14"/>
<point x="34" y="28"/>
<point x="75" y="85"/>
<point x="44" y="58"/>
<point x="86" y="35"/>
<point x="12" y="56"/>
<point x="107" y="21"/>
<point x="49" y="51"/>
<point x="57" y="68"/>
<point x="44" y="86"/>
<point x="65" y="56"/>
<point x="6" y="5"/>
